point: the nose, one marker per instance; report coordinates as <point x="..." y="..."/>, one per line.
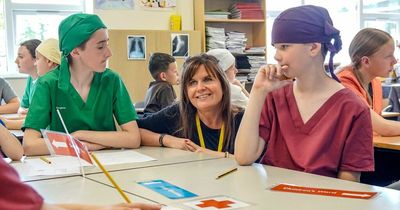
<point x="16" y="61"/>
<point x="108" y="52"/>
<point x="200" y="85"/>
<point x="277" y="56"/>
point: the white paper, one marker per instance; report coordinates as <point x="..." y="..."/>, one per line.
<point x="59" y="165"/>
<point x="121" y="157"/>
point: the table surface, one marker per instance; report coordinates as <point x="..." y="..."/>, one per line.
<point x="80" y="190"/>
<point x="250" y="184"/>
<point x="392" y="142"/>
<point x="163" y="156"/>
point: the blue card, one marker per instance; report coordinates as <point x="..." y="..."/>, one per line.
<point x="166" y="189"/>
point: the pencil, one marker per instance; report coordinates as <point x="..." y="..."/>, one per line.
<point x="226" y="173"/>
<point x="110" y="178"/>
<point x="45" y="160"/>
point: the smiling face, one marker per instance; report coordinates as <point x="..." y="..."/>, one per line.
<point x="95" y="53"/>
<point x="204" y="90"/>
<point x="25" y="61"/>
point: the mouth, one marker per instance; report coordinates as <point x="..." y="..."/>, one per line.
<point x="203" y="96"/>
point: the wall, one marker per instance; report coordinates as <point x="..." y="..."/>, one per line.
<point x="133" y="19"/>
<point x="148" y="19"/>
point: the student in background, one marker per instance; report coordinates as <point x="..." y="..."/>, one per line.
<point x="9" y="145"/>
<point x="16" y="195"/>
<point x="203" y="120"/>
<point x="47" y="58"/>
<point x="372" y="56"/>
<point x="26" y="65"/>
<point x="239" y="95"/>
<point x="10" y="98"/>
<point x="312" y="124"/>
<point x="86" y="93"/>
<point x="161" y="94"/>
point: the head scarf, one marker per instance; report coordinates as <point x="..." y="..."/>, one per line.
<point x="307" y="24"/>
<point x="224" y="57"/>
<point x="73" y="31"/>
<point x="49" y="49"/>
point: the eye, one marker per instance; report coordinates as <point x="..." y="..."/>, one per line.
<point x="208" y="79"/>
<point x="192" y="83"/>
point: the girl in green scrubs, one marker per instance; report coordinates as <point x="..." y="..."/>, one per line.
<point x="87" y="94"/>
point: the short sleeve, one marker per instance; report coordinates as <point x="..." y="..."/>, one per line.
<point x="124" y="110"/>
<point x="8" y="92"/>
<point x="25" y="97"/>
<point x="39" y="111"/>
<point x="358" y="152"/>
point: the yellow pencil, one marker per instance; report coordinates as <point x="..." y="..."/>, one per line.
<point x="226" y="173"/>
<point x="110" y="178"/>
<point x="45" y="160"/>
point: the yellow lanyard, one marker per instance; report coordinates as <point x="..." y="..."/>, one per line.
<point x="200" y="134"/>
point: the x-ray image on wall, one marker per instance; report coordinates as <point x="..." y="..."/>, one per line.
<point x="180" y="45"/>
<point x="136" y="47"/>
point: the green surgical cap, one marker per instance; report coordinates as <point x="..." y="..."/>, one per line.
<point x="76" y="29"/>
<point x="72" y="32"/>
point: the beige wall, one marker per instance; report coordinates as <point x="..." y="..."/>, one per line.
<point x="148" y="19"/>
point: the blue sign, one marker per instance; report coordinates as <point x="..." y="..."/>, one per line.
<point x="166" y="189"/>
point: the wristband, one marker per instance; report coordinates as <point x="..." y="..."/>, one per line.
<point x="160" y="139"/>
<point x="1" y="122"/>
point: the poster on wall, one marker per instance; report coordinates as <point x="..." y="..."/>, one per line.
<point x="136" y="47"/>
<point x="157" y="4"/>
<point x="114" y="4"/>
<point x="180" y="45"/>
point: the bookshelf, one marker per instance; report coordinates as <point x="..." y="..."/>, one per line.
<point x="255" y="29"/>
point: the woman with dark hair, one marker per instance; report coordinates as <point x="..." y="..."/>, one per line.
<point x="203" y="120"/>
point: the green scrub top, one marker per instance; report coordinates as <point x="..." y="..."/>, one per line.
<point x="29" y="91"/>
<point x="107" y="97"/>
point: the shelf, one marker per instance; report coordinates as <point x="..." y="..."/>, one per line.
<point x="235" y="20"/>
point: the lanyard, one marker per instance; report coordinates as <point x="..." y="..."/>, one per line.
<point x="200" y="134"/>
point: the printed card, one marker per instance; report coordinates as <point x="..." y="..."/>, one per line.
<point x="166" y="189"/>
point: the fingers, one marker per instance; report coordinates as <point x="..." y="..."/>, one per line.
<point x="275" y="72"/>
<point x="191" y="146"/>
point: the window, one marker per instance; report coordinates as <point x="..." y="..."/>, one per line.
<point x="30" y="19"/>
<point x="348" y="16"/>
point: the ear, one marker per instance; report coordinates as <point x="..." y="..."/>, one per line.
<point x="49" y="63"/>
<point x="163" y="77"/>
<point x="315" y="49"/>
<point x="365" y="61"/>
<point x="74" y="53"/>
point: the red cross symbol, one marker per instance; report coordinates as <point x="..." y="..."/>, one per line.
<point x="216" y="204"/>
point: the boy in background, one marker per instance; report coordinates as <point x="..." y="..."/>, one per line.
<point x="163" y="69"/>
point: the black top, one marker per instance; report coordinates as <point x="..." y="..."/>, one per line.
<point x="159" y="95"/>
<point x="167" y="121"/>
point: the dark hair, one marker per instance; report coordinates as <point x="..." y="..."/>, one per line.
<point x="188" y="111"/>
<point x="159" y="62"/>
<point x="31" y="45"/>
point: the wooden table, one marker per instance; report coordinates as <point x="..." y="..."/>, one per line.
<point x="392" y="142"/>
